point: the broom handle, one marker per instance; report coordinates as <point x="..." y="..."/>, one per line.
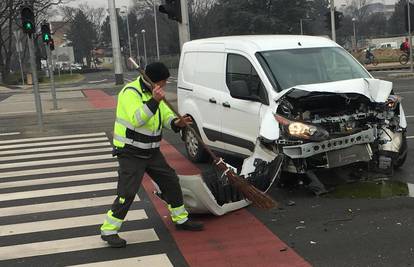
<point x="188" y="127"/>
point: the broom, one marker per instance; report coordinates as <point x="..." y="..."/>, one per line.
<point x="257" y="197"/>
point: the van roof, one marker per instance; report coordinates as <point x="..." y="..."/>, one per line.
<point x="255" y="43"/>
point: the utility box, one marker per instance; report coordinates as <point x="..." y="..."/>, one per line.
<point x="29" y="78"/>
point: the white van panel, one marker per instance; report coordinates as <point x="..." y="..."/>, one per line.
<point x="209" y="70"/>
<point x="188" y="68"/>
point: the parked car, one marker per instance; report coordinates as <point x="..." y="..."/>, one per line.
<point x="284" y="102"/>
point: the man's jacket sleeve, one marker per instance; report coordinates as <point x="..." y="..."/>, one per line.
<point x="137" y="110"/>
<point x="168" y="117"/>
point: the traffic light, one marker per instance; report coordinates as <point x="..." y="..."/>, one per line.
<point x="411" y="16"/>
<point x="46" y="36"/>
<point x="52" y="44"/>
<point x="173" y="9"/>
<point x="28" y="20"/>
<point x="338" y="18"/>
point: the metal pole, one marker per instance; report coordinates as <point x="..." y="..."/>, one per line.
<point x="410" y="36"/>
<point x="355" y="40"/>
<point x="38" y="101"/>
<point x="136" y="38"/>
<point x="145" y="48"/>
<point x="21" y="66"/>
<point x="116" y="49"/>
<point x="52" y="76"/>
<point x="301" y="27"/>
<point x="156" y="33"/>
<point x="184" y="27"/>
<point x="333" y="20"/>
<point x="129" y="36"/>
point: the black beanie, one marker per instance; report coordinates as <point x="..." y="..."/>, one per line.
<point x="157" y="71"/>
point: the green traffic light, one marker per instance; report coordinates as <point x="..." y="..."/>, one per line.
<point x="28" y="26"/>
<point x="46" y="37"/>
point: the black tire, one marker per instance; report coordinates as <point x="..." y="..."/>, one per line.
<point x="195" y="152"/>
<point x="403" y="59"/>
<point x="375" y="61"/>
<point x="402" y="155"/>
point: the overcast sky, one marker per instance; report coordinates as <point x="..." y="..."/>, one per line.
<point x="99" y="3"/>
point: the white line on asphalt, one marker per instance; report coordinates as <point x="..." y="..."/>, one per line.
<point x="11" y="133"/>
<point x="60" y="205"/>
<point x="54" y="161"/>
<point x="156" y="260"/>
<point x="50" y="138"/>
<point x="64" y="223"/>
<point x="410" y="137"/>
<point x="53" y="148"/>
<point x="58" y="169"/>
<point x="409" y="116"/>
<point x="56" y="154"/>
<point x="406" y="92"/>
<point x="100" y="81"/>
<point x="63" y="179"/>
<point x="55" y="143"/>
<point x="57" y="191"/>
<point x="72" y="244"/>
<point x="129" y="80"/>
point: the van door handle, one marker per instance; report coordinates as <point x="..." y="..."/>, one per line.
<point x="212" y="100"/>
<point x="226" y="104"/>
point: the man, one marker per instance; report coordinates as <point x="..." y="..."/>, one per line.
<point x="140" y="117"/>
<point x="405" y="46"/>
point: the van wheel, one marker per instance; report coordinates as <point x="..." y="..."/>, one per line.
<point x="195" y="151"/>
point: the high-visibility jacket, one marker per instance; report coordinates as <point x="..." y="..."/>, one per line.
<point x="140" y="119"/>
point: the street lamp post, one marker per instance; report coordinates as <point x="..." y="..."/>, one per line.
<point x="355" y="40"/>
<point x="145" y="47"/>
<point x="129" y="36"/>
<point x="156" y="32"/>
<point x="301" y="24"/>
<point x="136" y="39"/>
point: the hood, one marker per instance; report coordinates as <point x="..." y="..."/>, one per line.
<point x="374" y="89"/>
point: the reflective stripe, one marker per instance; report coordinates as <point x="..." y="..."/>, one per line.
<point x="136" y="144"/>
<point x="148" y="111"/>
<point x="138" y="118"/>
<point x="121" y="200"/>
<point x="139" y="129"/>
<point x="178" y="215"/>
<point x="168" y="123"/>
<point x="104" y="232"/>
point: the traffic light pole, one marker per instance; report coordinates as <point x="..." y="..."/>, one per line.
<point x="184" y="26"/>
<point x="332" y="4"/>
<point x="409" y="34"/>
<point x="116" y="49"/>
<point x="52" y="75"/>
<point x="36" y="92"/>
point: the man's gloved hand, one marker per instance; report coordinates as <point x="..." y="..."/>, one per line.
<point x="158" y="93"/>
<point x="184" y="121"/>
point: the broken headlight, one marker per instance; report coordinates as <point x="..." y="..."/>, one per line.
<point x="392" y="102"/>
<point x="302" y="130"/>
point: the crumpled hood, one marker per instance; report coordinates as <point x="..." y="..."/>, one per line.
<point x="374" y="89"/>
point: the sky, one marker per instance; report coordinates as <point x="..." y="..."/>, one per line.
<point x="99" y="3"/>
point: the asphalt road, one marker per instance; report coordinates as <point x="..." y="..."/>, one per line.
<point x="325" y="231"/>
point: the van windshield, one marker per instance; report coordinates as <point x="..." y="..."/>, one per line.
<point x="287" y="68"/>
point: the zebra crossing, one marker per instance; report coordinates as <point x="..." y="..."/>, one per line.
<point x="54" y="193"/>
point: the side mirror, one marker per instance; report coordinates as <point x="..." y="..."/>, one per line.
<point x="239" y="89"/>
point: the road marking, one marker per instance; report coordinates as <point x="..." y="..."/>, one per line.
<point x="72" y="244"/>
<point x="53" y="148"/>
<point x="59" y="169"/>
<point x="56" y="154"/>
<point x="410" y="137"/>
<point x="63" y="179"/>
<point x="57" y="191"/>
<point x="60" y="205"/>
<point x="409" y="116"/>
<point x="156" y="260"/>
<point x="11" y="133"/>
<point x="54" y="143"/>
<point x="54" y="161"/>
<point x="64" y="223"/>
<point x="100" y="81"/>
<point x="405" y="92"/>
<point x="129" y="80"/>
<point x="51" y="138"/>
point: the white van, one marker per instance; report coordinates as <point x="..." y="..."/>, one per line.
<point x="284" y="102"/>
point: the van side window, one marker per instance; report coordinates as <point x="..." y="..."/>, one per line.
<point x="240" y="71"/>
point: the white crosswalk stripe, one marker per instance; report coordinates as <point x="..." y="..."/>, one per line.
<point x="60" y="188"/>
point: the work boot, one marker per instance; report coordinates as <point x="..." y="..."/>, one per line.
<point x="190" y="226"/>
<point x="114" y="241"/>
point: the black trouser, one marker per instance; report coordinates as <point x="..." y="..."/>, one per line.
<point x="130" y="173"/>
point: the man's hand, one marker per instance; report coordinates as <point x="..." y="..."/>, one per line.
<point x="184" y="121"/>
<point x="158" y="93"/>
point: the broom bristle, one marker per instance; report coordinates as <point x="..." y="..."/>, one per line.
<point x="257" y="197"/>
